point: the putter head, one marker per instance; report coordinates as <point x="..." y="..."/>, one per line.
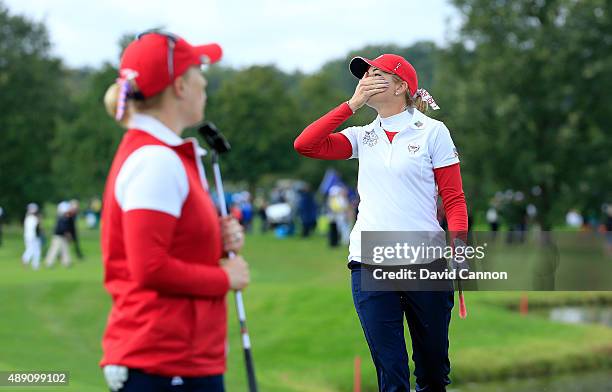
<point x="214" y="138"/>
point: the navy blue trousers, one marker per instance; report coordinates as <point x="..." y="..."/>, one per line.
<point x="140" y="382"/>
<point x="428" y="313"/>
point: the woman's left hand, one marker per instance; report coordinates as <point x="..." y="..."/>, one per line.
<point x="232" y="233"/>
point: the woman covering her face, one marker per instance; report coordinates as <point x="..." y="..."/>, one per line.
<point x="405" y="160"/>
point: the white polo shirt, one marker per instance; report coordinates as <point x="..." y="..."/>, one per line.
<point x="153" y="177"/>
<point x="396" y="180"/>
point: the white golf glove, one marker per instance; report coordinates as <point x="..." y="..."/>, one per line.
<point x="115" y="376"/>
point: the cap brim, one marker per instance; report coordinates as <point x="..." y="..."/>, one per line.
<point x="359" y="66"/>
<point x="210" y="53"/>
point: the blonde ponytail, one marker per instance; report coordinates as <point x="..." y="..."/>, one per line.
<point x="110" y="103"/>
<point x="418" y="103"/>
<point x="132" y="105"/>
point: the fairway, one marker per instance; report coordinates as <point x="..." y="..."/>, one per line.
<point x="304" y="329"/>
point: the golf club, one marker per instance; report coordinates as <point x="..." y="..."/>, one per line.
<point x="220" y="145"/>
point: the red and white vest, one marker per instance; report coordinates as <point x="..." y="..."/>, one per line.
<point x="149" y="329"/>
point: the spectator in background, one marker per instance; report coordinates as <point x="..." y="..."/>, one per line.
<point x="90" y="219"/>
<point x="338" y="205"/>
<point x="236" y="212"/>
<point x="493" y="220"/>
<point x="96" y="208"/>
<point x="532" y="212"/>
<point x="260" y="207"/>
<point x="307" y="211"/>
<point x="574" y="219"/>
<point x="72" y="215"/>
<point x="608" y="225"/>
<point x="61" y="236"/>
<point x="92" y="213"/>
<point x="32" y="237"/>
<point x="279" y="217"/>
<point x="247" y="210"/>
<point x="516" y="217"/>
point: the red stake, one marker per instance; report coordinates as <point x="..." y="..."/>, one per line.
<point x="524" y="304"/>
<point x="462" y="308"/>
<point x="357" y="379"/>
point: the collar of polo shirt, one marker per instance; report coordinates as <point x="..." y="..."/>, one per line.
<point x="418" y="122"/>
<point x="158" y="130"/>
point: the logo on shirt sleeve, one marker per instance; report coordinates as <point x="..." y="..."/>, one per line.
<point x="370" y="138"/>
<point x="455" y="152"/>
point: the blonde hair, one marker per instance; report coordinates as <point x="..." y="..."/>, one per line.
<point x="418" y="103"/>
<point x="131" y="105"/>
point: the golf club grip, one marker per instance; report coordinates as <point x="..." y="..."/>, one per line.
<point x="248" y="359"/>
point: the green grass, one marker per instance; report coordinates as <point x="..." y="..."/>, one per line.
<point x="304" y="329"/>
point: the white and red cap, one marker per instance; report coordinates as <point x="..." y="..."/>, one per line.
<point x="155" y="59"/>
<point x="397" y="65"/>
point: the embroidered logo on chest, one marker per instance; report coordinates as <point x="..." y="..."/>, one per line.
<point x="413" y="148"/>
<point x="370" y="138"/>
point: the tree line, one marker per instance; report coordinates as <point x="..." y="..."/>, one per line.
<point x="524" y="88"/>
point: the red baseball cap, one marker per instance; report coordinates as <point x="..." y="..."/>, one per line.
<point x="155" y="59"/>
<point x="390" y="63"/>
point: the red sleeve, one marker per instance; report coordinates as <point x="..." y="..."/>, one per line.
<point x="448" y="179"/>
<point x="148" y="235"/>
<point x="318" y="141"/>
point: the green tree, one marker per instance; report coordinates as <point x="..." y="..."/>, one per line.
<point x="32" y="99"/>
<point x="317" y="94"/>
<point x="528" y="86"/>
<point x="85" y="145"/>
<point x="85" y="142"/>
<point x="260" y="119"/>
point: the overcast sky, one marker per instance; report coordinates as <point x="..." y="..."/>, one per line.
<point x="293" y="34"/>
